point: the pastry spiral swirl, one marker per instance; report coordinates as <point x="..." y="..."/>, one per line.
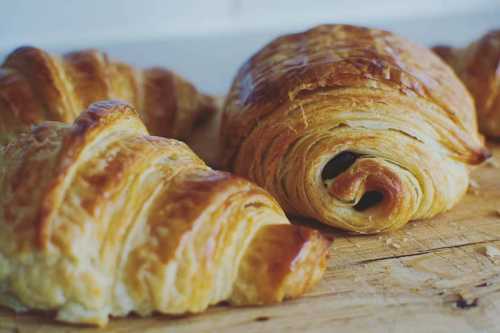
<point x="355" y="127"/>
<point x="36" y="86"/>
<point x="478" y="66"/>
<point x="98" y="218"/>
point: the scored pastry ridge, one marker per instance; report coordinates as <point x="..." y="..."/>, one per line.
<point x="98" y="218"/>
<point x="305" y="98"/>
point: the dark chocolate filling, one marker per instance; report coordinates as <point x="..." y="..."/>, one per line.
<point x="338" y="164"/>
<point x="368" y="200"/>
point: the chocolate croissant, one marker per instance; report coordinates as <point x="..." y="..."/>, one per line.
<point x="36" y="86"/>
<point x="355" y="127"/>
<point x="98" y="218"/>
<point x="478" y="65"/>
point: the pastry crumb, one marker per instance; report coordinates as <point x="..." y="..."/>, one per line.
<point x="390" y="243"/>
<point x="491" y="251"/>
<point x="473" y="187"/>
<point x="466" y="300"/>
<point x="405" y="240"/>
<point x="492" y="162"/>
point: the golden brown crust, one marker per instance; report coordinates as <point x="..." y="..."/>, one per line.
<point x="265" y="260"/>
<point x="36" y="86"/>
<point x="478" y="65"/>
<point x="307" y="97"/>
<point x="98" y="218"/>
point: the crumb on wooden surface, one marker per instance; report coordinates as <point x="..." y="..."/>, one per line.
<point x="391" y="243"/>
<point x="492" y="162"/>
<point x="491" y="251"/>
<point x="473" y="187"/>
<point x="463" y="303"/>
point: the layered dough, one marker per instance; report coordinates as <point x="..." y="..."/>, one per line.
<point x="36" y="86"/>
<point x="98" y="218"/>
<point x="478" y="66"/>
<point x="355" y="127"/>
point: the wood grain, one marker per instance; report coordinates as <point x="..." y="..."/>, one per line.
<point x="432" y="276"/>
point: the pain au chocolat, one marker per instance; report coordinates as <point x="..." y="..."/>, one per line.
<point x="355" y="127"/>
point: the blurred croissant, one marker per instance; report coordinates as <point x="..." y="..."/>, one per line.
<point x="355" y="127"/>
<point x="36" y="86"/>
<point x="478" y="65"/>
<point x="98" y="218"/>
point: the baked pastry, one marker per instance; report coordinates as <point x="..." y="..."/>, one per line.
<point x="98" y="218"/>
<point x="355" y="127"/>
<point x="36" y="86"/>
<point x="478" y="65"/>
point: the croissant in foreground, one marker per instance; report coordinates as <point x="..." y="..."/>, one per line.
<point x="478" y="65"/>
<point x="355" y="127"/>
<point x="36" y="86"/>
<point x="98" y="218"/>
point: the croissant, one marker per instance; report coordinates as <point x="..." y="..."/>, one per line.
<point x="98" y="218"/>
<point x="355" y="127"/>
<point x="478" y="65"/>
<point x="36" y="86"/>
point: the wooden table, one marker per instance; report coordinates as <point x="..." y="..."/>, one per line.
<point x="439" y="275"/>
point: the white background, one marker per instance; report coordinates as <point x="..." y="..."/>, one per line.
<point x="206" y="41"/>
